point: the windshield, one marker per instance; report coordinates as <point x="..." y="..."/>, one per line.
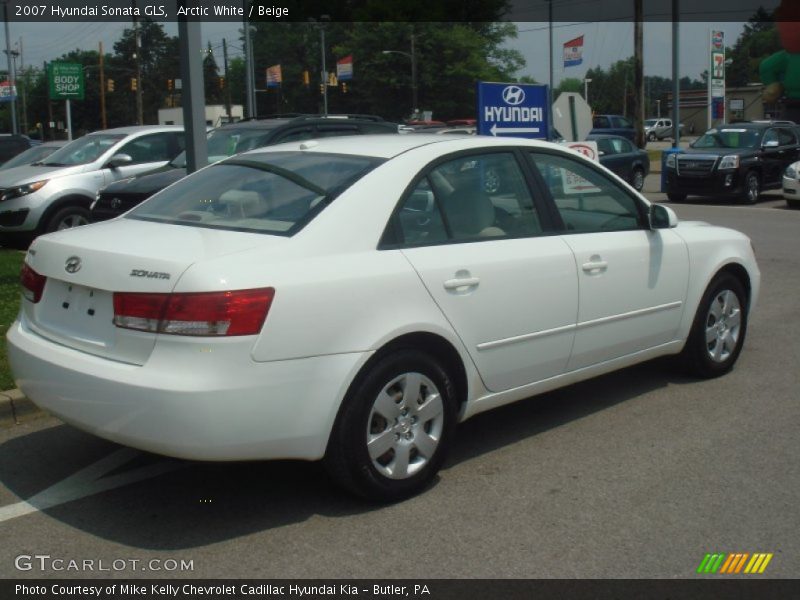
<point x="30" y="156"/>
<point x="83" y="150"/>
<point x="227" y="141"/>
<point x="729" y="138"/>
<point x="276" y="193"/>
<point x="649" y="122"/>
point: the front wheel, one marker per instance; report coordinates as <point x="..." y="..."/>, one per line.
<point x="719" y="328"/>
<point x="752" y="188"/>
<point x="67" y="218"/>
<point x="394" y="428"/>
<point x="651" y="137"/>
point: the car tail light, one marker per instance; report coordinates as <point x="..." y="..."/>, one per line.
<point x="238" y="312"/>
<point x="32" y="283"/>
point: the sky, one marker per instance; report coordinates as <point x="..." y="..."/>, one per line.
<point x="604" y="43"/>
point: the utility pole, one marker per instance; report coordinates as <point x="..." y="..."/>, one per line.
<point x="11" y="74"/>
<point x="550" y="81"/>
<point x="248" y="57"/>
<point x="676" y="84"/>
<point x="638" y="73"/>
<point x="414" y="84"/>
<point x="227" y="91"/>
<point x="103" y="89"/>
<point x="50" y="129"/>
<point x="324" y="73"/>
<point x="137" y="56"/>
<point x="23" y="89"/>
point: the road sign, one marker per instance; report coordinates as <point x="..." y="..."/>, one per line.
<point x="514" y="109"/>
<point x="572" y="116"/>
<point x="8" y="92"/>
<point x="66" y="81"/>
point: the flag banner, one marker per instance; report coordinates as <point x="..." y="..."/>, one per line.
<point x="573" y="52"/>
<point x="8" y="92"/>
<point x="344" y="68"/>
<point x="274" y="76"/>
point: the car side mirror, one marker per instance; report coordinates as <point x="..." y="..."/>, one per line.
<point x="771" y="144"/>
<point x="119" y="160"/>
<point x="662" y="217"/>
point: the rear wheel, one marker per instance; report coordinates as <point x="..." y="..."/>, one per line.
<point x="719" y="328"/>
<point x="673" y="197"/>
<point x="752" y="187"/>
<point x="67" y="218"/>
<point x="637" y="179"/>
<point x="394" y="428"/>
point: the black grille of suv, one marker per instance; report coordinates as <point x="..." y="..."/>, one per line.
<point x="695" y="166"/>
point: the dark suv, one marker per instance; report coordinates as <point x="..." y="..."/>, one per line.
<point x="738" y="160"/>
<point x="11" y="145"/>
<point x="121" y="196"/>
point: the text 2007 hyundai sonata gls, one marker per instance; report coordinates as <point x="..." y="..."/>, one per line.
<point x="353" y="300"/>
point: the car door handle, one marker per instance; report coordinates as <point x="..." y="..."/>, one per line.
<point x="453" y="284"/>
<point x="595" y="265"/>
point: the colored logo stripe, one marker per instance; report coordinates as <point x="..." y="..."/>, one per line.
<point x="733" y="563"/>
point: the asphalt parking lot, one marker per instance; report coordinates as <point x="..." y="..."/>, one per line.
<point x="636" y="474"/>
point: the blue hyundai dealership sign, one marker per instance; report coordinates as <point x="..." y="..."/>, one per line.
<point x="516" y="109"/>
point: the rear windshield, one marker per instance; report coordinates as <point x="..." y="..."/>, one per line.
<point x="275" y="193"/>
<point x="227" y="141"/>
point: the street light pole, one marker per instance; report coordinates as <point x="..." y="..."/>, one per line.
<point x="324" y="72"/>
<point x="11" y="74"/>
<point x="413" y="58"/>
<point x="586" y="83"/>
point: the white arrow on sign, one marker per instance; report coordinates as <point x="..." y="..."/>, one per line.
<point x="503" y="130"/>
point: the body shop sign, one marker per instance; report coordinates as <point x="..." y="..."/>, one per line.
<point x="66" y="81"/>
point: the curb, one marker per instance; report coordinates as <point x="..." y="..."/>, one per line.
<point x="14" y="405"/>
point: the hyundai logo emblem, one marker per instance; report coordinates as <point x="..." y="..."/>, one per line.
<point x="73" y="264"/>
<point x="513" y="95"/>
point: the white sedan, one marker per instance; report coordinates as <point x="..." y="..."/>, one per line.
<point x="791" y="185"/>
<point x="352" y="300"/>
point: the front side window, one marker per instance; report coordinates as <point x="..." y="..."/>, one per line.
<point x="83" y="150"/>
<point x="471" y="198"/>
<point x="586" y="200"/>
<point x="276" y="193"/>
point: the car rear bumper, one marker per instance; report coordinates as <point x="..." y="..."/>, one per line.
<point x="202" y="402"/>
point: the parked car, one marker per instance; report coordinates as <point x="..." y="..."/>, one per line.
<point x="32" y="155"/>
<point x="791" y="185"/>
<point x="621" y="156"/>
<point x="733" y="161"/>
<point x="352" y="301"/>
<point x="11" y="145"/>
<point x="613" y="125"/>
<point x="121" y="196"/>
<point x="56" y="193"/>
<point x="659" y="129"/>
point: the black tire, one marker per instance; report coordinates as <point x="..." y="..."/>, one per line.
<point x="674" y="197"/>
<point x="67" y="217"/>
<point x="752" y="187"/>
<point x="651" y="137"/>
<point x="697" y="353"/>
<point x="348" y="460"/>
<point x="637" y="179"/>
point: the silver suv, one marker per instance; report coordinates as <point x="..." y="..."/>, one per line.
<point x="56" y="193"/>
<point x="658" y="129"/>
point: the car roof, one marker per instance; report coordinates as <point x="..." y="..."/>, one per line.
<point x="138" y="129"/>
<point x="274" y="122"/>
<point x="391" y="145"/>
<point x="605" y="136"/>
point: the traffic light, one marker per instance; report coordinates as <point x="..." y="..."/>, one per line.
<point x="222" y="83"/>
<point x="321" y="88"/>
<point x="169" y="84"/>
<point x="344" y="87"/>
<point x="109" y="85"/>
<point x="306" y="78"/>
<point x="134" y="84"/>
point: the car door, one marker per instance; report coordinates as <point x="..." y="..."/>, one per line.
<point x="610" y="157"/>
<point x="508" y="289"/>
<point x="147" y="152"/>
<point x="771" y="154"/>
<point x="632" y="280"/>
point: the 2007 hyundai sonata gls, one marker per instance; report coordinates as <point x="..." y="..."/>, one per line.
<point x="352" y="300"/>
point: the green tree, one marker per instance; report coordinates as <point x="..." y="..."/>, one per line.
<point x="569" y="84"/>
<point x="211" y="78"/>
<point x="758" y="41"/>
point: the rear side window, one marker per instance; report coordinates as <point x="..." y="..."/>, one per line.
<point x="276" y="193"/>
<point x="470" y="198"/>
